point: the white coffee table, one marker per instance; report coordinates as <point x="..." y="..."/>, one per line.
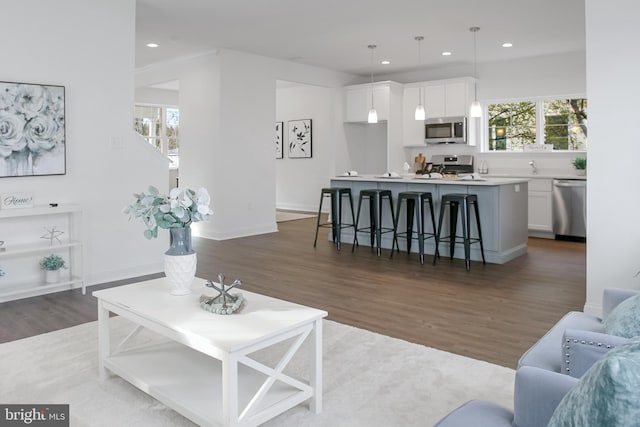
<point x="204" y="370"/>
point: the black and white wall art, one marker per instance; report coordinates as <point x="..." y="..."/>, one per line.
<point x="279" y="151"/>
<point x="32" y="130"/>
<point x="299" y="139"/>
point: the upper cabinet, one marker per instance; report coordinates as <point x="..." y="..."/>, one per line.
<point x="441" y="98"/>
<point x="358" y="101"/>
<point x="446" y="98"/>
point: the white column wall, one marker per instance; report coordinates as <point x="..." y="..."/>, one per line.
<point x="227" y="118"/>
<point x="613" y="252"/>
<point x="88" y="47"/>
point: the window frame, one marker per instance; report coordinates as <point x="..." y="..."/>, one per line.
<point x="539" y="106"/>
<point x="164" y="137"/>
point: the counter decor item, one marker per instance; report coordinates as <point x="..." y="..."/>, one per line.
<point x="51" y="264"/>
<point x="580" y="163"/>
<point x="224" y="302"/>
<point x="175" y="213"/>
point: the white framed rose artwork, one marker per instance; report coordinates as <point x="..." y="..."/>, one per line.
<point x="32" y="130"/>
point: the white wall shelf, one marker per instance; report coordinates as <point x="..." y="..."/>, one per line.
<point x="20" y="229"/>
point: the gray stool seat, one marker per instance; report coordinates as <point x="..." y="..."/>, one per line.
<point x="465" y="202"/>
<point x="415" y="201"/>
<point x="336" y="194"/>
<point x="375" y="228"/>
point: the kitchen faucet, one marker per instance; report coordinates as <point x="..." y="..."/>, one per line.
<point x="534" y="167"/>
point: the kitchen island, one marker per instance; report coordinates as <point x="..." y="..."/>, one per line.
<point x="503" y="206"/>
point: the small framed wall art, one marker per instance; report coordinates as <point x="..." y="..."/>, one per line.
<point x="299" y="139"/>
<point x="279" y="151"/>
<point x="32" y="130"/>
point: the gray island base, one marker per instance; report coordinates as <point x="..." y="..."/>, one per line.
<point x="503" y="213"/>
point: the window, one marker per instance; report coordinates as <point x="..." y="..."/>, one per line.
<point x="159" y="125"/>
<point x="560" y="123"/>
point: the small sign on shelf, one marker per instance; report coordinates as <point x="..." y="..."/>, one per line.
<point x="16" y="200"/>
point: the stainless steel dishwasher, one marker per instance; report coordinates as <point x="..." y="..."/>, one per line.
<point x="570" y="208"/>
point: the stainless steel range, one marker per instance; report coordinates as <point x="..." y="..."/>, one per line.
<point x="451" y="164"/>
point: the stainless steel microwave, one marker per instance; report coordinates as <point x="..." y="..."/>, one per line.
<point x="446" y="130"/>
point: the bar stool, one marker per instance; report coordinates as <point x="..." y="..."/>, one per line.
<point x="415" y="201"/>
<point x="336" y="194"/>
<point x="455" y="201"/>
<point x="375" y="227"/>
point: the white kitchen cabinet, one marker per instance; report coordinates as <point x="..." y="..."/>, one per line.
<point x="441" y="98"/>
<point x="456" y="99"/>
<point x="25" y="234"/>
<point x="435" y="101"/>
<point x="358" y="102"/>
<point x="540" y="205"/>
<point x="447" y="98"/>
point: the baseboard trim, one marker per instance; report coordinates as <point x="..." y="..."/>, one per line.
<point x="240" y="232"/>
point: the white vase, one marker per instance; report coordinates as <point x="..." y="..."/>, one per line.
<point x="581" y="172"/>
<point x="180" y="261"/>
<point x="51" y="276"/>
<point x="180" y="271"/>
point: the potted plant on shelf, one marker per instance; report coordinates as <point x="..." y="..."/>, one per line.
<point x="580" y="163"/>
<point x="51" y="264"/>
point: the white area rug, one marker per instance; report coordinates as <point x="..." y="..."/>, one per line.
<point x="369" y="380"/>
<point x="291" y="216"/>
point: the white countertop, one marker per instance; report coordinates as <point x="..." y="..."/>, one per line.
<point x="537" y="176"/>
<point x="486" y="180"/>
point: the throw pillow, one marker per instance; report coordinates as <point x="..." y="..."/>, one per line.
<point x="608" y="394"/>
<point x="624" y="320"/>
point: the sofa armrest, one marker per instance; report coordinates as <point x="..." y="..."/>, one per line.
<point x="537" y="394"/>
<point x="581" y="349"/>
<point x="612" y="297"/>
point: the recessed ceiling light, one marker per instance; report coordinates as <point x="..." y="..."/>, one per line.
<point x="152" y="45"/>
<point x="507" y="44"/>
<point x="446" y="53"/>
<point x="385" y="62"/>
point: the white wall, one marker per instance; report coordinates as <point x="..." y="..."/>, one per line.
<point x="613" y="254"/>
<point x="298" y="181"/>
<point x="228" y="112"/>
<point x="104" y="157"/>
<point x="149" y="95"/>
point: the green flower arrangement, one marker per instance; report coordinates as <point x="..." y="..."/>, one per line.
<point x="177" y="210"/>
<point x="52" y="262"/>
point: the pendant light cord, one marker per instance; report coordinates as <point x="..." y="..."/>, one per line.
<point x="419" y="39"/>
<point x="475" y="62"/>
<point x="372" y="46"/>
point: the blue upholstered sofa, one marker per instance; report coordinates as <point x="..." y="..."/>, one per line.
<point x="547" y="371"/>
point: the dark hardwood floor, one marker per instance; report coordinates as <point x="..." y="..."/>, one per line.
<point x="493" y="313"/>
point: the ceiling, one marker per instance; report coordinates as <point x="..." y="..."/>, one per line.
<point x="334" y="34"/>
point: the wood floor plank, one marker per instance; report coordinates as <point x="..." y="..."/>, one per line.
<point x="494" y="312"/>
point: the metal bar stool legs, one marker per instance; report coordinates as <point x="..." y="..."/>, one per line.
<point x="336" y="195"/>
<point x="375" y="227"/>
<point x="460" y="203"/>
<point x="415" y="202"/>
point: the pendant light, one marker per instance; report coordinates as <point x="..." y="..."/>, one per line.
<point x="476" y="109"/>
<point x="420" y="115"/>
<point x="373" y="114"/>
